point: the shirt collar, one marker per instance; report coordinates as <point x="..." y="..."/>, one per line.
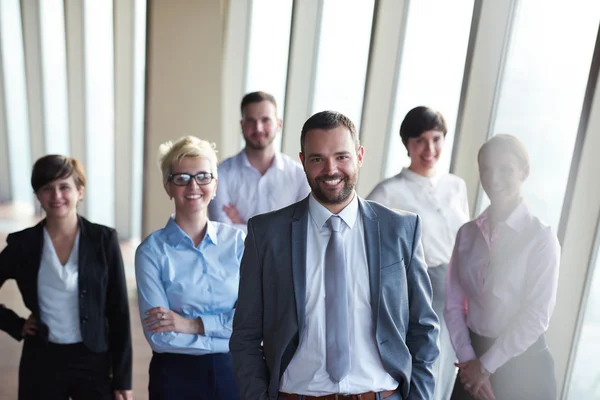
<point x="211" y="232"/>
<point x="320" y="214"/>
<point x="278" y="162"/>
<point x="517" y="220"/>
<point x="175" y="234"/>
<point x="423" y="180"/>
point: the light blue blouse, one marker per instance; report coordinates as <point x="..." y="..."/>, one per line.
<point x="195" y="282"/>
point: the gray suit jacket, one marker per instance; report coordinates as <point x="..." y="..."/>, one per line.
<point x="272" y="298"/>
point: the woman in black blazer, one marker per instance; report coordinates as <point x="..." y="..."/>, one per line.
<point x="77" y="340"/>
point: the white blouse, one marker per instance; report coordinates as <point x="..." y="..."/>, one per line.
<point x="441" y="202"/>
<point x="501" y="284"/>
<point x="58" y="293"/>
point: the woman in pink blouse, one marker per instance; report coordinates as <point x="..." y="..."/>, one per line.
<point x="501" y="288"/>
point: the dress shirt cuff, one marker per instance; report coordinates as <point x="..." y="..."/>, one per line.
<point x="212" y="324"/>
<point x="466" y="353"/>
<point x="492" y="360"/>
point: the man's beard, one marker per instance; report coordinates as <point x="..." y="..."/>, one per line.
<point x="259" y="145"/>
<point x="337" y="198"/>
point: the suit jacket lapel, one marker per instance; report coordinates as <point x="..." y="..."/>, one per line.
<point x="373" y="248"/>
<point x="299" y="229"/>
<point x="84" y="250"/>
<point x="37" y="248"/>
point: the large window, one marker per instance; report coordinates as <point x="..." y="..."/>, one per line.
<point x="542" y="91"/>
<point x="585" y="378"/>
<point x="139" y="90"/>
<point x="99" y="97"/>
<point x="431" y="70"/>
<point x="54" y="71"/>
<point x="13" y="66"/>
<point x="343" y="54"/>
<point x="268" y="50"/>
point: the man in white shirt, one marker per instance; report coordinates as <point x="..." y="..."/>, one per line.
<point x="258" y="179"/>
<point x="334" y="299"/>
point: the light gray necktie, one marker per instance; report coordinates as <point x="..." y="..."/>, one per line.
<point x="336" y="304"/>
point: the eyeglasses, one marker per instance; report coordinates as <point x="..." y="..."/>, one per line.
<point x="201" y="178"/>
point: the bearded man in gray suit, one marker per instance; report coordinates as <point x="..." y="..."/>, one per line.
<point x="334" y="299"/>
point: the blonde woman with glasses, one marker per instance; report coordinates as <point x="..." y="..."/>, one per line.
<point x="187" y="275"/>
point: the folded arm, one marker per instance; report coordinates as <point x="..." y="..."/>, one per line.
<point x="151" y="294"/>
<point x="219" y="325"/>
<point x="217" y="208"/>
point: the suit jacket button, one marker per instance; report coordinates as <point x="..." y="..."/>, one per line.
<point x="84" y="319"/>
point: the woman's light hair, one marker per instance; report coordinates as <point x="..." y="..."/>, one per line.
<point x="187" y="146"/>
<point x="508" y="143"/>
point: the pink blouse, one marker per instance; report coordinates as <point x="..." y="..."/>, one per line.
<point x="501" y="284"/>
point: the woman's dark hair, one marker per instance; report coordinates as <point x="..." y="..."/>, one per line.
<point x="421" y="119"/>
<point x="52" y="167"/>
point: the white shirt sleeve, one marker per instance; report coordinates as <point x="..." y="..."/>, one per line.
<point x="455" y="312"/>
<point x="303" y="186"/>
<point x="378" y="194"/>
<point x="215" y="207"/>
<point x="465" y="198"/>
<point x="534" y="317"/>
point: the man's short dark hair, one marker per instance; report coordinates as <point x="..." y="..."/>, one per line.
<point x="421" y="119"/>
<point x="52" y="167"/>
<point x="257" y="97"/>
<point x="328" y="120"/>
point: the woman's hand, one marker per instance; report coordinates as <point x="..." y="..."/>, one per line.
<point x="485" y="392"/>
<point x="29" y="327"/>
<point x="475" y="382"/>
<point x="123" y="394"/>
<point x="161" y="319"/>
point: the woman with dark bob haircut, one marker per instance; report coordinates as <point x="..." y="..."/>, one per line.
<point x="441" y="201"/>
<point x="77" y="340"/>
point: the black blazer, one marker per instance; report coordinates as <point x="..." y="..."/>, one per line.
<point x="103" y="302"/>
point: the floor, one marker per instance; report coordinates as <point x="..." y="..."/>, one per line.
<point x="13" y="218"/>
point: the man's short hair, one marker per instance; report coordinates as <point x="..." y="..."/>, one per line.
<point x="328" y="120"/>
<point x="257" y="97"/>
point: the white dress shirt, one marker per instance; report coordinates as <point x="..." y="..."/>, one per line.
<point x="306" y="374"/>
<point x="253" y="193"/>
<point x="441" y="202"/>
<point x="58" y="293"/>
<point x="502" y="285"/>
